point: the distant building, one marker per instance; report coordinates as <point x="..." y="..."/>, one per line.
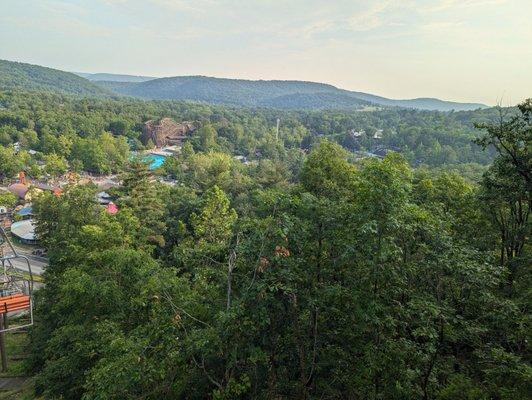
<point x="357" y="134"/>
<point x="111" y="208"/>
<point x="25" y="212"/>
<point x="378" y="134"/>
<point x="103" y="198"/>
<point x="19" y="189"/>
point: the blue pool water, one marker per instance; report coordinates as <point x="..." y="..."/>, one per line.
<point x="155" y="160"/>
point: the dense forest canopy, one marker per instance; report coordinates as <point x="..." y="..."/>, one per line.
<point x="96" y="134"/>
<point x="350" y="279"/>
<point x="378" y="254"/>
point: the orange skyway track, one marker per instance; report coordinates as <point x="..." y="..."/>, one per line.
<point x="15" y="302"/>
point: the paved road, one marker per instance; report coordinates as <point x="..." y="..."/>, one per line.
<point x="37" y="266"/>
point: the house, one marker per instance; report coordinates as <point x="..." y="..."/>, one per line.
<point x="378" y="134"/>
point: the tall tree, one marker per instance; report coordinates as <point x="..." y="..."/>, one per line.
<point x="507" y="186"/>
<point x="140" y="194"/>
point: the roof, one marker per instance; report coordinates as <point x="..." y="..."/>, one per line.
<point x="111" y="208"/>
<point x="24" y="229"/>
<point x="25" y="211"/>
<point x="103" y="198"/>
<point x="44" y="186"/>
<point x="18" y="189"/>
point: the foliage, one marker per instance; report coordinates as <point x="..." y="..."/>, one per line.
<point x="95" y="134"/>
<point x="9" y="162"/>
<point x="276" y="94"/>
<point x="328" y="277"/>
<point x="8" y="199"/>
<point x="34" y="77"/>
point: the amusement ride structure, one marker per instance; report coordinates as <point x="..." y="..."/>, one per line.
<point x="16" y="291"/>
<point x="16" y="285"/>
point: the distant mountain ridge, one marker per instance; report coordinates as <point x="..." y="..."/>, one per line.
<point x="15" y="75"/>
<point x="273" y="93"/>
<point x="288" y="94"/>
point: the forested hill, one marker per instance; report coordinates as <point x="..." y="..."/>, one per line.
<point x="15" y="75"/>
<point x="292" y="95"/>
<point x="278" y="94"/>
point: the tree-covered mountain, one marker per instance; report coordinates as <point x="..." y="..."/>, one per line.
<point x="315" y="101"/>
<point x="262" y="93"/>
<point x="236" y="92"/>
<point x="16" y="75"/>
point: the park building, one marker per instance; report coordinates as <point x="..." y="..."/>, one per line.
<point x="24" y="231"/>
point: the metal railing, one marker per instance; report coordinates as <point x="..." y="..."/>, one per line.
<point x="14" y="280"/>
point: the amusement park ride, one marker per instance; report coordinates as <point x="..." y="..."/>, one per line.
<point x="16" y="292"/>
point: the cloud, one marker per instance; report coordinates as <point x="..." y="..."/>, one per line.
<point x="369" y="19"/>
<point x="336" y="23"/>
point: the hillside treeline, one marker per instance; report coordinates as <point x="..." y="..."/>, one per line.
<point x="96" y="135"/>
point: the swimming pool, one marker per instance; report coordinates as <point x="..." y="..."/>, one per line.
<point x="155" y="160"/>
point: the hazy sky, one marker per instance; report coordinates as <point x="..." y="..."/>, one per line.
<point x="464" y="50"/>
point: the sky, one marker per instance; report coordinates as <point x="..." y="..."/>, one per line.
<point x="461" y="50"/>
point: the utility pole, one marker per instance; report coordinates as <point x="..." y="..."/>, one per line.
<point x="3" y="321"/>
